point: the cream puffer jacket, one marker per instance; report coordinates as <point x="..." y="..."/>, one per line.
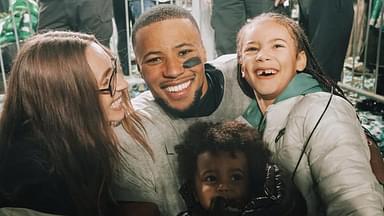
<point x="334" y="174"/>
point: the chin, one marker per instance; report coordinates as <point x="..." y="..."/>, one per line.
<point x="186" y="110"/>
<point x="266" y="92"/>
<point x="181" y="107"/>
<point x="176" y="111"/>
<point x="116" y="117"/>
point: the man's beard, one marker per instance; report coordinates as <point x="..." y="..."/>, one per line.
<point x="190" y="111"/>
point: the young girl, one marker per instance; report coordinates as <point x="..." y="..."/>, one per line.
<point x="58" y="152"/>
<point x="307" y="124"/>
<point x="226" y="170"/>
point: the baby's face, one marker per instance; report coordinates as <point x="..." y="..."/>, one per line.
<point x="222" y="174"/>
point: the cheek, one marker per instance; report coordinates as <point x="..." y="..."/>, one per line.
<point x="249" y="76"/>
<point x="247" y="66"/>
<point x="200" y="71"/>
<point x="290" y="73"/>
<point x="150" y="74"/>
<point x="243" y="190"/>
<point x="105" y="101"/>
<point x="205" y="193"/>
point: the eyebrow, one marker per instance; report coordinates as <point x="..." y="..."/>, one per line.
<point x="277" y="39"/>
<point x="250" y="42"/>
<point x="269" y="41"/>
<point x="238" y="170"/>
<point x="184" y="44"/>
<point x="208" y="171"/>
<point x="159" y="52"/>
<point x="151" y="53"/>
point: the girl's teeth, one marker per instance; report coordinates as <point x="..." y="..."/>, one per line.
<point x="265" y="72"/>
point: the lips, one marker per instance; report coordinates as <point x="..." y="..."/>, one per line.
<point x="179" y="87"/>
<point x="178" y="91"/>
<point x="117" y="104"/>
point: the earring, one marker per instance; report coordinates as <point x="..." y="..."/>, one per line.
<point x="242" y="74"/>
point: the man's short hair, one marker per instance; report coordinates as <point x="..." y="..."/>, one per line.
<point x="160" y="13"/>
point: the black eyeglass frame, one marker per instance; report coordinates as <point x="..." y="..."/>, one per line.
<point x="112" y="81"/>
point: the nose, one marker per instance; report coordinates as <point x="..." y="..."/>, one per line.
<point x="121" y="82"/>
<point x="174" y="68"/>
<point x="262" y="55"/>
<point x="223" y="188"/>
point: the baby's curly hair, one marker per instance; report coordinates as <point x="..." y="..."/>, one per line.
<point x="230" y="136"/>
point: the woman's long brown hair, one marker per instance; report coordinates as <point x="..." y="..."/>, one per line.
<point x="53" y="90"/>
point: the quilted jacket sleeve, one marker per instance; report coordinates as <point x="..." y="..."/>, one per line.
<point x="338" y="158"/>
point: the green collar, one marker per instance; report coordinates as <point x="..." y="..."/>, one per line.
<point x="301" y="84"/>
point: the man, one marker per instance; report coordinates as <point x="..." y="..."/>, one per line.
<point x="4" y="6"/>
<point x="229" y="15"/>
<point x="170" y="56"/>
<point x="328" y="24"/>
<point x="87" y="16"/>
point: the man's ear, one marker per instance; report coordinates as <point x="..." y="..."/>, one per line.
<point x="188" y="192"/>
<point x="203" y="53"/>
<point x="301" y="61"/>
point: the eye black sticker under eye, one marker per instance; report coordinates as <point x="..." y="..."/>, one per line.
<point x="192" y="62"/>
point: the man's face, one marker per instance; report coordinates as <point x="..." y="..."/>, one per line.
<point x="161" y="49"/>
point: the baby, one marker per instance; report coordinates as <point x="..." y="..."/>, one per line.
<point x="226" y="170"/>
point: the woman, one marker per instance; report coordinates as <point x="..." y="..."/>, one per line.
<point x="58" y="151"/>
<point x="306" y="121"/>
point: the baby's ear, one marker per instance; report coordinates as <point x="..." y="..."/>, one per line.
<point x="301" y="61"/>
<point x="189" y="194"/>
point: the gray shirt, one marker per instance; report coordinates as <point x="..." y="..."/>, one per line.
<point x="144" y="179"/>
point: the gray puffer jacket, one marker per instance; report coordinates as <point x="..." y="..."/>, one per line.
<point x="334" y="174"/>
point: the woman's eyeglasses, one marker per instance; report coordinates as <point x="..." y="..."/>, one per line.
<point x="112" y="85"/>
